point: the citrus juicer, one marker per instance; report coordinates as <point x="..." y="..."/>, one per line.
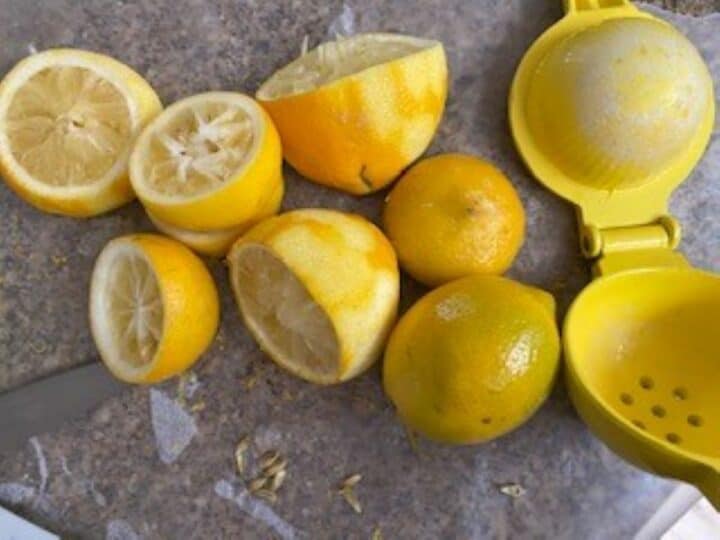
<point x="611" y="108"/>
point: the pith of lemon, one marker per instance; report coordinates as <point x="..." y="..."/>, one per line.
<point x="216" y="243"/>
<point x="210" y="161"/>
<point x="68" y="119"/>
<point x="153" y="307"/>
<point x="353" y="113"/>
<point x="470" y="217"/>
<point x="472" y="359"/>
<point x="318" y="289"/>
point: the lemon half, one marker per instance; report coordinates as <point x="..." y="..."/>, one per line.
<point x="319" y="290"/>
<point x="153" y="307"/>
<point x="210" y="161"/>
<point x="68" y="119"/>
<point x="353" y="113"/>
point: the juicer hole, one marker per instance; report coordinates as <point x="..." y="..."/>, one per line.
<point x="627" y="399"/>
<point x="658" y="411"/>
<point x="646" y="383"/>
<point x="486" y="420"/>
<point x="673" y="438"/>
<point x="680" y="393"/>
<point x="695" y="420"/>
<point x="639" y="424"/>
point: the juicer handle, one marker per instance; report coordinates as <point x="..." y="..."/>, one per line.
<point x="572" y="6"/>
<point x="709" y="485"/>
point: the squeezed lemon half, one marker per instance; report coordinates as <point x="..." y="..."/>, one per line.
<point x="68" y="119"/>
<point x="353" y="113"/>
<point x="153" y="307"/>
<point x="318" y="289"/>
<point x="210" y="161"/>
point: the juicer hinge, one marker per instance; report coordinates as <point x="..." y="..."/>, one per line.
<point x="665" y="233"/>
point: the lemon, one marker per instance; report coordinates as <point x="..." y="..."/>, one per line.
<point x="215" y="243"/>
<point x="210" y="161"/>
<point x="153" y="307"/>
<point x="471" y="218"/>
<point x="318" y="289"/>
<point x="473" y="359"/>
<point x="354" y="113"/>
<point x="68" y="119"/>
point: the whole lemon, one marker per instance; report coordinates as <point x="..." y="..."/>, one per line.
<point x="473" y="359"/>
<point x="453" y="215"/>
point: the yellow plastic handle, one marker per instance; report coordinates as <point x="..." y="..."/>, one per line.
<point x="572" y="6"/>
<point x="709" y="484"/>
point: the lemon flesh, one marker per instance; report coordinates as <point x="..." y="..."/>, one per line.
<point x="126" y="309"/>
<point x="284" y="317"/>
<point x="153" y="307"/>
<point x="338" y="59"/>
<point x="199" y="148"/>
<point x="318" y="289"/>
<point x="68" y="120"/>
<point x="66" y="126"/>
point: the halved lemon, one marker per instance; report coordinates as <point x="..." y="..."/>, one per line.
<point x="153" y="307"/>
<point x="210" y="161"/>
<point x="319" y="291"/>
<point x="354" y="113"/>
<point x="68" y="119"/>
<point x="215" y="243"/>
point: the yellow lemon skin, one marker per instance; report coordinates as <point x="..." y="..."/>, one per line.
<point x="347" y="268"/>
<point x="190" y="305"/>
<point x="454" y="215"/>
<point x="216" y="243"/>
<point x="94" y="199"/>
<point x="472" y="359"/>
<point x="358" y="133"/>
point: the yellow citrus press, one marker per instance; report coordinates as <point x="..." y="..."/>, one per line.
<point x="611" y="108"/>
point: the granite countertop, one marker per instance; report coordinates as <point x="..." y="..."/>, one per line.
<point x="153" y="463"/>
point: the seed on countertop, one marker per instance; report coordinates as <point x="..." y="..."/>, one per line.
<point x="266" y="494"/>
<point x="512" y="490"/>
<point x="275" y="468"/>
<point x="240" y="449"/>
<point x="243" y="443"/>
<point x="377" y="534"/>
<point x="197" y="407"/>
<point x="351" y="499"/>
<point x="278" y="480"/>
<point x="351" y="480"/>
<point x="258" y="484"/>
<point x="269" y="458"/>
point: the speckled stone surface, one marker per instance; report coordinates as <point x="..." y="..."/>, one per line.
<point x="103" y="477"/>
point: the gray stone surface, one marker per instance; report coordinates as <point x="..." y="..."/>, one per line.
<point x="105" y="476"/>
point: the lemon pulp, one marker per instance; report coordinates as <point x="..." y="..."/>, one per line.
<point x="287" y="321"/>
<point x="200" y="148"/>
<point x="133" y="310"/>
<point x="66" y="126"/>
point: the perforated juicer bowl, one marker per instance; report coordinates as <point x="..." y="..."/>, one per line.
<point x="643" y="367"/>
<point x="611" y="109"/>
